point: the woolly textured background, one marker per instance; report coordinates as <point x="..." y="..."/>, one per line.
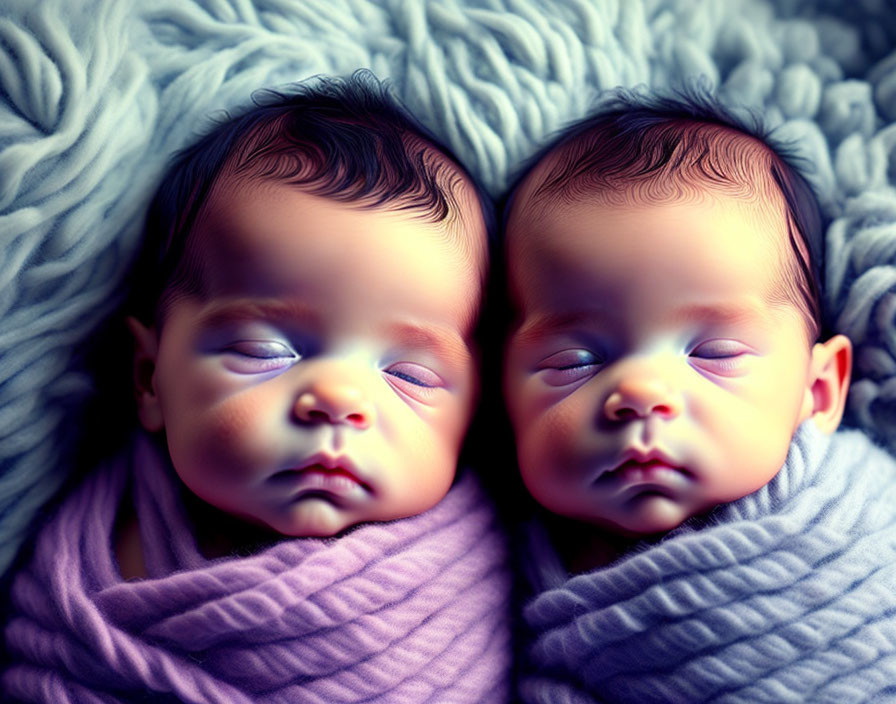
<point x="95" y="94"/>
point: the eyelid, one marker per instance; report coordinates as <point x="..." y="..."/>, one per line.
<point x="719" y="349"/>
<point x="262" y="349"/>
<point x="568" y="367"/>
<point x="415" y="374"/>
<point x="259" y="356"/>
<point x="721" y="357"/>
<point x="415" y="382"/>
<point x="569" y="359"/>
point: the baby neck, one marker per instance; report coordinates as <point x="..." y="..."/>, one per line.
<point x="584" y="547"/>
<point x="221" y="534"/>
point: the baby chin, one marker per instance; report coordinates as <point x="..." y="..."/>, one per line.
<point x="314" y="517"/>
<point x="650" y="513"/>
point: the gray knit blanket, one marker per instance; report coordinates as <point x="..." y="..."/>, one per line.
<point x="786" y="595"/>
<point x="407" y="612"/>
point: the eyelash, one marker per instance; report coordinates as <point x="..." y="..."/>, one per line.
<point x="260" y="356"/>
<point x="257" y="356"/>
<point x="718" y="349"/>
<point x="719" y="356"/>
<point x="568" y="366"/>
<point x="415" y="374"/>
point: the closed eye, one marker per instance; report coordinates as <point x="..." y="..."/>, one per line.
<point x="261" y="349"/>
<point x="722" y="356"/>
<point x="257" y="356"/>
<point x="568" y="366"/>
<point x="719" y="349"/>
<point x="414" y="380"/>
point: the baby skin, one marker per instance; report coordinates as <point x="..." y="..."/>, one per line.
<point x="657" y="367"/>
<point x="322" y="381"/>
<point x="285" y="525"/>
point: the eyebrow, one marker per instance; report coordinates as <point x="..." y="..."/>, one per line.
<point x="442" y="341"/>
<point x="553" y="323"/>
<point x="240" y="310"/>
<point x="723" y="312"/>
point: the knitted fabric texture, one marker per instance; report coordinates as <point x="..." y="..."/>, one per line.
<point x="96" y="94"/>
<point x="410" y="611"/>
<point x="786" y="595"/>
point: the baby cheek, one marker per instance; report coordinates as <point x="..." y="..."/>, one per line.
<point x="444" y="423"/>
<point x="554" y="435"/>
<point x="454" y="426"/>
<point x="432" y="444"/>
<point x="238" y="434"/>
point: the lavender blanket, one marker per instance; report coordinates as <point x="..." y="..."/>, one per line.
<point x="411" y="611"/>
<point x="786" y="595"/>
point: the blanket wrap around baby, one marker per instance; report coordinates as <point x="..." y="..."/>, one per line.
<point x="409" y="611"/>
<point x="786" y="595"/>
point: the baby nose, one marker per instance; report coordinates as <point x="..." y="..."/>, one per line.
<point x="640" y="397"/>
<point x="334" y="403"/>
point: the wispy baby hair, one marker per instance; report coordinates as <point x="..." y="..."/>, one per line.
<point x="346" y="139"/>
<point x="639" y="147"/>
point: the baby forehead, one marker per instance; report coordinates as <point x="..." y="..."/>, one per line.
<point x="589" y="250"/>
<point x="437" y="190"/>
<point x="243" y="215"/>
<point x="656" y="265"/>
<point x="535" y="230"/>
<point x="269" y="237"/>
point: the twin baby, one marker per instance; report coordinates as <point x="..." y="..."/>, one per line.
<point x="306" y="366"/>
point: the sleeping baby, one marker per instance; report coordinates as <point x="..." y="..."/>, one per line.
<point x="287" y="525"/>
<point x="674" y="393"/>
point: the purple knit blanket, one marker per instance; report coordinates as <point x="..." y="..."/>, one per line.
<point x="409" y="611"/>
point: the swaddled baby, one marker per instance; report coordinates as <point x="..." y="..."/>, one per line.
<point x="673" y="390"/>
<point x="287" y="526"/>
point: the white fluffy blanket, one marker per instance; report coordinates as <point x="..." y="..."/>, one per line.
<point x="95" y="94"/>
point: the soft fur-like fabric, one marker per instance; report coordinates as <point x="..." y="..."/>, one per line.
<point x="96" y="94"/>
<point x="411" y="611"/>
<point x="786" y="595"/>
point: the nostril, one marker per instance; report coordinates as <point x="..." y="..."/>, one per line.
<point x="317" y="415"/>
<point x="356" y="419"/>
<point x="625" y="413"/>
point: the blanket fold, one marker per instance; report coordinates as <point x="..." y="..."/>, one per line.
<point x="410" y="611"/>
<point x="786" y="595"/>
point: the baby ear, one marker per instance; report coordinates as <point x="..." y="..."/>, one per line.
<point x="830" y="374"/>
<point x="146" y="349"/>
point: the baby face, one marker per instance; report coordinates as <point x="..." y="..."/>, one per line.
<point x="654" y="371"/>
<point x="326" y="378"/>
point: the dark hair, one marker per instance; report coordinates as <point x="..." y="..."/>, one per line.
<point x="346" y="139"/>
<point x="659" y="145"/>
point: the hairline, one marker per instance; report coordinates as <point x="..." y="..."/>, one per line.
<point x="349" y="136"/>
<point x="464" y="224"/>
<point x="464" y="217"/>
<point x="541" y="190"/>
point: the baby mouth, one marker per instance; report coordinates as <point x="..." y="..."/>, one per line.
<point x="318" y="477"/>
<point x="660" y="472"/>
